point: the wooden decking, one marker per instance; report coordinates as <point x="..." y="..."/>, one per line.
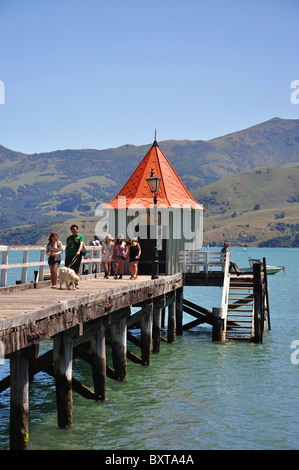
<point x="29" y="314"/>
<point x="21" y="299"/>
<point x="211" y="279"/>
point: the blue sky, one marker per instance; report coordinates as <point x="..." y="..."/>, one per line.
<point x="100" y="74"/>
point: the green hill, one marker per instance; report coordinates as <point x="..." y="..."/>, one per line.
<point x="256" y="207"/>
<point x="253" y="207"/>
<point x="48" y="188"/>
<point x="57" y="185"/>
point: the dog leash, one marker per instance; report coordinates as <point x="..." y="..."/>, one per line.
<point x="73" y="261"/>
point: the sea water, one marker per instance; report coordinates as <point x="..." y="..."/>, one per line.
<point x="196" y="394"/>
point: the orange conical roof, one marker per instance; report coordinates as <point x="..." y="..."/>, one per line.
<point x="172" y="191"/>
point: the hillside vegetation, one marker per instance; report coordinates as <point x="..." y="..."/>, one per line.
<point x="255" y="207"/>
<point x="47" y="189"/>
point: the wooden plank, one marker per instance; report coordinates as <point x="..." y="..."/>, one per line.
<point x="77" y="386"/>
<point x="196" y="307"/>
<point x="134" y="340"/>
<point x="134" y="358"/>
<point x="136" y="317"/>
<point x="73" y="308"/>
<point x="191" y="324"/>
<point x="199" y="316"/>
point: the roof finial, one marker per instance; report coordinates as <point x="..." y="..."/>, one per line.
<point x="155" y="144"/>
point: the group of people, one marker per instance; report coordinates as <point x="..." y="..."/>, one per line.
<point x="116" y="252"/>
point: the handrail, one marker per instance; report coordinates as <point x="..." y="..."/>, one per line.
<point x="225" y="290"/>
<point x="205" y="259"/>
<point x="25" y="264"/>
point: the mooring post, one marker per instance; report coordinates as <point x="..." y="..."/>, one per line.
<point x="171" y="322"/>
<point x="62" y="362"/>
<point x="258" y="304"/>
<point x="179" y="310"/>
<point x="119" y="348"/>
<point x="98" y="364"/>
<point x="19" y="401"/>
<point x="218" y="332"/>
<point x="146" y="326"/>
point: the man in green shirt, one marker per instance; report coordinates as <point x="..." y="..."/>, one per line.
<point x="73" y="247"/>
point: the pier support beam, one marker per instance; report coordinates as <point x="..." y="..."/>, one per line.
<point x="163" y="318"/>
<point x="62" y="361"/>
<point x="179" y="310"/>
<point x="119" y="348"/>
<point x="19" y="401"/>
<point x="146" y="326"/>
<point x="218" y="330"/>
<point x="98" y="364"/>
<point x="171" y="321"/>
<point x="258" y="304"/>
<point x="157" y="324"/>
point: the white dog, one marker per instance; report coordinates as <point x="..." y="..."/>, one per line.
<point x="68" y="276"/>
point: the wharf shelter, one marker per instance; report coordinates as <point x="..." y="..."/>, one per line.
<point x="179" y="215"/>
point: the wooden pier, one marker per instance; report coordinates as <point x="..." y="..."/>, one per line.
<point x="82" y="323"/>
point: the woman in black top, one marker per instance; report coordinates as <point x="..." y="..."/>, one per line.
<point x="134" y="254"/>
<point x="54" y="250"/>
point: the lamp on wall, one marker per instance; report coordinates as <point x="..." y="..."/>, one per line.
<point x="154" y="182"/>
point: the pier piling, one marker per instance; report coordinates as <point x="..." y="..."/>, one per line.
<point x="146" y="326"/>
<point x="19" y="400"/>
<point x="119" y="348"/>
<point x="258" y="304"/>
<point x="218" y="331"/>
<point x="171" y="320"/>
<point x="179" y="311"/>
<point x="98" y="364"/>
<point x="157" y="324"/>
<point x="62" y="362"/>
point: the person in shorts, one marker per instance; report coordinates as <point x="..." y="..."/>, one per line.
<point x="53" y="251"/>
<point x="107" y="255"/>
<point x="73" y="247"/>
<point x="119" y="255"/>
<point x="134" y="257"/>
